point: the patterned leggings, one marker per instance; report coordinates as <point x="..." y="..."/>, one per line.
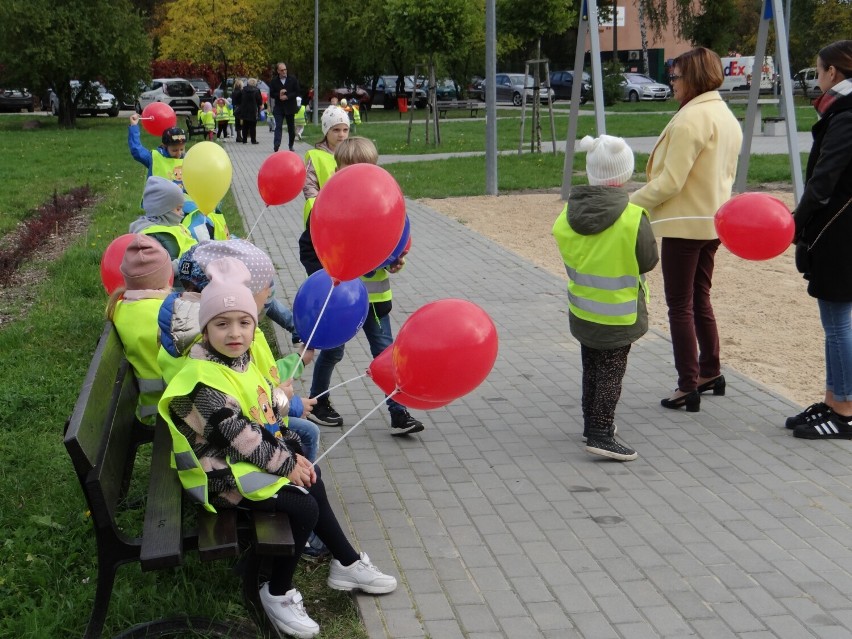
<point x="603" y="372"/>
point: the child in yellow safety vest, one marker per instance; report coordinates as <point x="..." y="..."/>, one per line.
<point x="299" y="118"/>
<point x="133" y="308"/>
<point x="217" y="408"/>
<point x="607" y="245"/>
<point x="208" y="119"/>
<point x="221" y="113"/>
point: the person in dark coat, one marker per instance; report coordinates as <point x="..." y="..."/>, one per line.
<point x="250" y="103"/>
<point x="823" y="233"/>
<point x="284" y="89"/>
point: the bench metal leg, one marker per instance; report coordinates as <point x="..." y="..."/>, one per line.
<point x="251" y="580"/>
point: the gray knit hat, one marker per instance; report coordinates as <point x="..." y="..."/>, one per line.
<point x="161" y="196"/>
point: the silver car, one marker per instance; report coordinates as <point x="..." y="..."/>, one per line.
<point x="640" y="87"/>
<point x="511" y="86"/>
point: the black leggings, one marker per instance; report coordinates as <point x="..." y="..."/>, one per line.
<point x="307" y="512"/>
<point x="603" y="372"/>
<point x="222" y="129"/>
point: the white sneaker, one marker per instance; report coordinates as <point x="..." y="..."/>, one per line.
<point x="287" y="613"/>
<point x="362" y="575"/>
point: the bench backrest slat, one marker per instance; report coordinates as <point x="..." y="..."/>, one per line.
<point x="84" y="435"/>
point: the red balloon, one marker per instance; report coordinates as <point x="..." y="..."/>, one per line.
<point x="755" y="226"/>
<point x="357" y="220"/>
<point x="281" y="178"/>
<point x="381" y="372"/>
<point x="444" y="350"/>
<point x="157" y="117"/>
<point x="111" y="262"/>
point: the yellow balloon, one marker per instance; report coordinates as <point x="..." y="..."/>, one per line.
<point x="207" y="173"/>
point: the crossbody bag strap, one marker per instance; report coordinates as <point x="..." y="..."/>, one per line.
<point x="836" y="215"/>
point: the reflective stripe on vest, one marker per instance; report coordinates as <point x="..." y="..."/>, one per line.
<point x="221" y="114"/>
<point x="180" y="233"/>
<point x="604" y="280"/>
<point x="254" y="394"/>
<point x="136" y="324"/>
<point x="164" y="167"/>
<point x="324" y="166"/>
<point x="378" y="286"/>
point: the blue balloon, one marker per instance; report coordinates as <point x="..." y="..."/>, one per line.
<point x="343" y="317"/>
<point x="400" y="247"/>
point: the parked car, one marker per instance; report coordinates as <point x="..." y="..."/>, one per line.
<point x="445" y="89"/>
<point x="95" y="100"/>
<point x="229" y="84"/>
<point x="562" y="83"/>
<point x="511" y="86"/>
<point x="636" y="86"/>
<point x="385" y="91"/>
<point x="350" y="93"/>
<point x="202" y="89"/>
<point x="805" y="82"/>
<point x="15" y="100"/>
<point x="475" y="90"/>
<point x="176" y="92"/>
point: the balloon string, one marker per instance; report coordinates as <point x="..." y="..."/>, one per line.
<point x="694" y="217"/>
<point x="256" y="222"/>
<point x="346" y="434"/>
<point x="326" y="392"/>
<point x="314" y="329"/>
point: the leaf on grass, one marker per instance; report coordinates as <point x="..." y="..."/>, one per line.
<point x="45" y="520"/>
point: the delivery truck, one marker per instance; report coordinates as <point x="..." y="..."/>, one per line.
<point x="740" y="70"/>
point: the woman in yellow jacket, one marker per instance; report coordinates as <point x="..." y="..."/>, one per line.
<point x="691" y="173"/>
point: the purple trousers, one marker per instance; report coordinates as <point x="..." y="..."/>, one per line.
<point x="687" y="279"/>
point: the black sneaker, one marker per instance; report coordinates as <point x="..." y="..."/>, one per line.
<point x="324" y="414"/>
<point x="404" y="424"/>
<point x="609" y="447"/>
<point x="814" y="411"/>
<point x="829" y="426"/>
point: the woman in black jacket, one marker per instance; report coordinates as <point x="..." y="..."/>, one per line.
<point x="250" y="102"/>
<point x="824" y="232"/>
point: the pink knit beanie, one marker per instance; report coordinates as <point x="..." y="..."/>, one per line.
<point x="227" y="291"/>
<point x="146" y="265"/>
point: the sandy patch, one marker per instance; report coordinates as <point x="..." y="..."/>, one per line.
<point x="768" y="325"/>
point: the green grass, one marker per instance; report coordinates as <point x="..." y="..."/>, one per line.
<point x="47" y="557"/>
<point x="455" y="177"/>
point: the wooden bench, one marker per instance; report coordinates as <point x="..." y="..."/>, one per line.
<point x="452" y="105"/>
<point x="194" y="129"/>
<point x="102" y="437"/>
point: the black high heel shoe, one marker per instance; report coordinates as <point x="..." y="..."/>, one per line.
<point x="717" y="385"/>
<point x="692" y="402"/>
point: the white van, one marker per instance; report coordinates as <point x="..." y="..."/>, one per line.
<point x="805" y="81"/>
<point x="739" y="71"/>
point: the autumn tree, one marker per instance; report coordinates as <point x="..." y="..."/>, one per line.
<point x="48" y="44"/>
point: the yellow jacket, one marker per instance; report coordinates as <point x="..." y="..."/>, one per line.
<point x="692" y="168"/>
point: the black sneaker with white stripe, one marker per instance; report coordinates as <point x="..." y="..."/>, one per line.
<point x="814" y="411"/>
<point x="829" y="426"/>
<point x="324" y="413"/>
<point x="402" y="423"/>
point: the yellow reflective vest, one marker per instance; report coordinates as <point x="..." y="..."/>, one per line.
<point x="604" y="280"/>
<point x="378" y="286"/>
<point x="168" y="168"/>
<point x="221" y="113"/>
<point x="252" y="391"/>
<point x="324" y="166"/>
<point x="208" y="120"/>
<point x="136" y="323"/>
<point x="180" y="233"/>
<point x="299" y="117"/>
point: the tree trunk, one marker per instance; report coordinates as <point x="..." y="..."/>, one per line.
<point x="643" y="33"/>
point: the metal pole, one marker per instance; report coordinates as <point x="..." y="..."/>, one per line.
<point x="315" y="107"/>
<point x="788" y="107"/>
<point x="490" y="98"/>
